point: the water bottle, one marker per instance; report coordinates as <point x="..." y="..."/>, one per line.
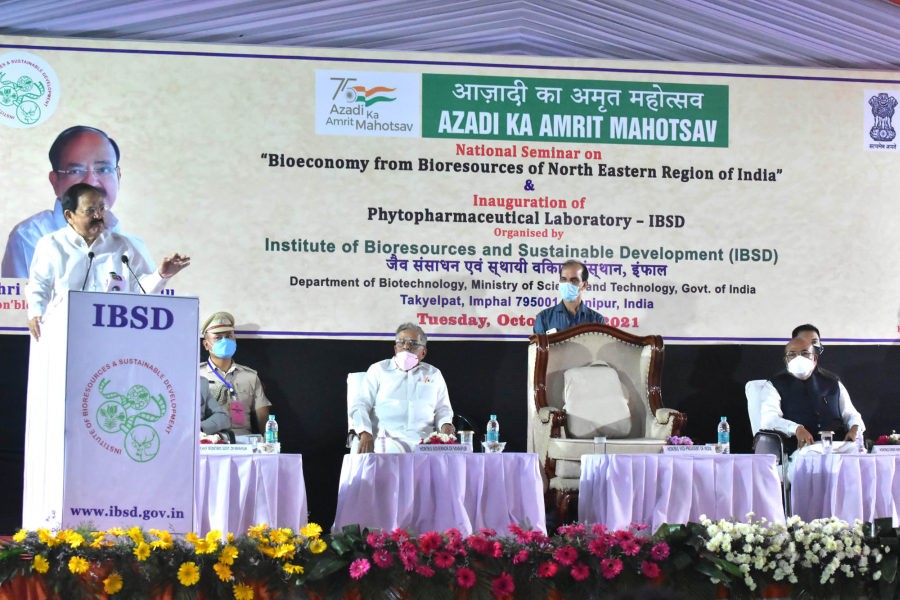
<point x="724" y="436"/>
<point x="271" y="430"/>
<point x="860" y="443"/>
<point x="493" y="430"/>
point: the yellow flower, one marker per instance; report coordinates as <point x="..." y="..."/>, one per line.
<point x="229" y="553"/>
<point x="267" y="550"/>
<point x="73" y="538"/>
<point x="243" y="592"/>
<point x="47" y="538"/>
<point x="223" y="571"/>
<point x="161" y="545"/>
<point x="293" y="569"/>
<point x="205" y="546"/>
<point x="136" y="535"/>
<point x="280" y="536"/>
<point x="229" y="538"/>
<point x="40" y="564"/>
<point x="214" y="536"/>
<point x="317" y="546"/>
<point x="113" y="583"/>
<point x="285" y="551"/>
<point x="188" y="573"/>
<point x="257" y="531"/>
<point x="20" y="536"/>
<point x="191" y="537"/>
<point x="164" y="541"/>
<point x="312" y="530"/>
<point x="78" y="565"/>
<point x="142" y="551"/>
<point x="116" y="531"/>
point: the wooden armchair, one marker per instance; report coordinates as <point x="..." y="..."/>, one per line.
<point x="588" y="382"/>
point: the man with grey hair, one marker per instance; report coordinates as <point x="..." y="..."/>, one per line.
<point x="402" y="398"/>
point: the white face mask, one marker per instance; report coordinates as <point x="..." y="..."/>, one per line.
<point x="801" y="367"/>
<point x="406" y="360"/>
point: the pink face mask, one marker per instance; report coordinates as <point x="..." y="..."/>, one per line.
<point x="406" y="360"/>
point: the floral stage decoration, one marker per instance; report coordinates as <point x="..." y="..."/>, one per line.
<point x="677" y="440"/>
<point x="888" y="440"/>
<point x="439" y="438"/>
<point x="826" y="558"/>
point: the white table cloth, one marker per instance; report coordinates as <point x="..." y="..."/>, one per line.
<point x="652" y="489"/>
<point x="847" y="486"/>
<point x="437" y="491"/>
<point x="235" y="492"/>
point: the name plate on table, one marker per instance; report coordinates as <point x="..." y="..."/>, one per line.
<point x="443" y="448"/>
<point x="689" y="449"/>
<point x="213" y="449"/>
<point x="886" y="449"/>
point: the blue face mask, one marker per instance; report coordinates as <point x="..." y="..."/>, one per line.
<point x="224" y="347"/>
<point x="568" y="291"/>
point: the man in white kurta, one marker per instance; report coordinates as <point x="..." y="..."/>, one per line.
<point x="403" y="398"/>
<point x="84" y="255"/>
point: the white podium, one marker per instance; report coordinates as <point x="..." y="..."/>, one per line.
<point x="112" y="416"/>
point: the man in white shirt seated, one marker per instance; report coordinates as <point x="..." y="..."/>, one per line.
<point x="402" y="397"/>
<point x="84" y="255"/>
<point x="802" y="400"/>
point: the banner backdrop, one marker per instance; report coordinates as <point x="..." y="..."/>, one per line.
<point x="338" y="193"/>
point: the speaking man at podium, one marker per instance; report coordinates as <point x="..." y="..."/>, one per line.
<point x="85" y="255"/>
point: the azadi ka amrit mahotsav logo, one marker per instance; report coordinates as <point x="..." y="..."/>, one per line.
<point x="363" y="103"/>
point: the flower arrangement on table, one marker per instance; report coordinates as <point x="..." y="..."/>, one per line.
<point x="679" y="441"/>
<point x="822" y="558"/>
<point x="439" y="439"/>
<point x="888" y="440"/>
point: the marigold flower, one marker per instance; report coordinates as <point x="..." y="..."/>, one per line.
<point x="280" y="536"/>
<point x="142" y="551"/>
<point x="317" y="546"/>
<point x="48" y="538"/>
<point x="116" y="531"/>
<point x="223" y="571"/>
<point x="20" y="536"/>
<point x="243" y="592"/>
<point x="113" y="583"/>
<point x="228" y="554"/>
<point x="293" y="569"/>
<point x="580" y="571"/>
<point x="465" y="578"/>
<point x="78" y="565"/>
<point x="136" y="535"/>
<point x="503" y="586"/>
<point x="40" y="564"/>
<point x="73" y="538"/>
<point x="256" y="531"/>
<point x="188" y="574"/>
<point x="311" y="530"/>
<point x="359" y="567"/>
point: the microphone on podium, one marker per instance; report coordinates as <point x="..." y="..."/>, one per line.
<point x="90" y="262"/>
<point x="128" y="266"/>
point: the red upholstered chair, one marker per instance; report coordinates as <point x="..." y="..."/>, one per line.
<point x="593" y="381"/>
